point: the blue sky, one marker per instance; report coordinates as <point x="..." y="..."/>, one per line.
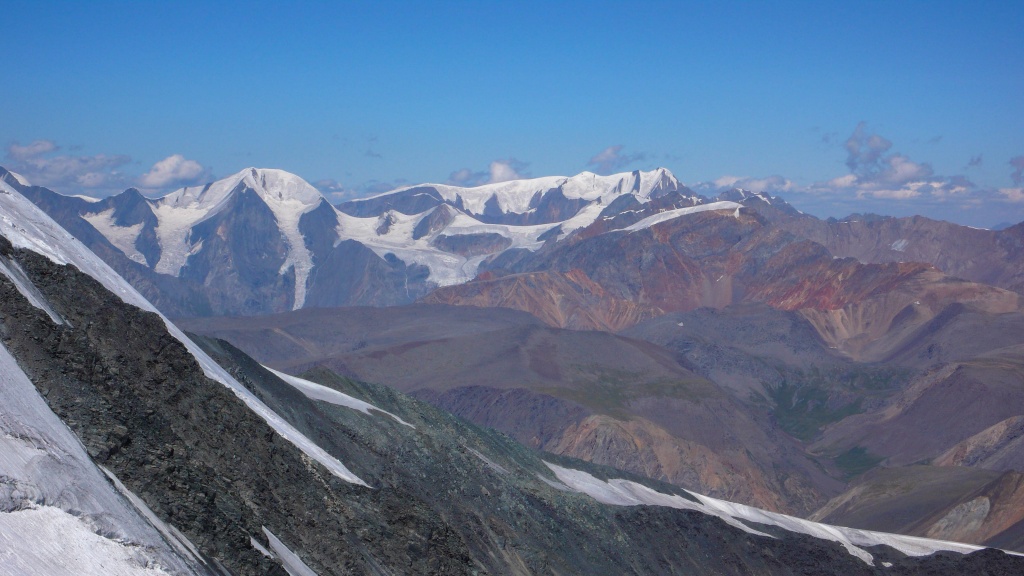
<point x="891" y="107"/>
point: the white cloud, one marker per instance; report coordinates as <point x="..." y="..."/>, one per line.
<point x="875" y="172"/>
<point x="173" y="170"/>
<point x="727" y="181"/>
<point x="33" y="149"/>
<point x="612" y="159"/>
<point x="770" y="184"/>
<point x="67" y="173"/>
<point x="1013" y="194"/>
<point x="886" y="194"/>
<point x="466" y="177"/>
<point x="501" y="170"/>
<point x="505" y="170"/>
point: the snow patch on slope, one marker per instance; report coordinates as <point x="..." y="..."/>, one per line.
<point x="26" y="226"/>
<point x="619" y="492"/>
<point x="12" y="270"/>
<point x="676" y="213"/>
<point x="447" y="268"/>
<point x="316" y="391"/>
<point x="293" y="565"/>
<point x="47" y="541"/>
<point x="172" y="535"/>
<point x="122" y="237"/>
<point x="625" y="493"/>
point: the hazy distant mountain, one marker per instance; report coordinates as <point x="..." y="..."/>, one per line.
<point x="264" y="241"/>
<point x="994" y="257"/>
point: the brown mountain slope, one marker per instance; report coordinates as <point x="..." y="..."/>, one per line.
<point x="940" y="409"/>
<point x="565" y="300"/>
<point x="589" y="394"/>
<point x="985" y="256"/>
<point x="998" y="447"/>
<point x="961" y="504"/>
<point x="718" y="258"/>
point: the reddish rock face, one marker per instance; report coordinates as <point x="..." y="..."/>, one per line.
<point x="610" y="280"/>
<point x="564" y="300"/>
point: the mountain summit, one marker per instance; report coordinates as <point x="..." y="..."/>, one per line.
<point x="524" y="202"/>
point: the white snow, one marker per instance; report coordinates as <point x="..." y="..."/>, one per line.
<point x="122" y="237"/>
<point x="446" y="268"/>
<point x="54" y="501"/>
<point x="21" y="179"/>
<point x="514" y="196"/>
<point x="676" y="213"/>
<point x="619" y="492"/>
<point x="26" y="226"/>
<point x="287" y="196"/>
<point x="12" y="270"/>
<point x="490" y="463"/>
<point x="625" y="493"/>
<point x="260" y="548"/>
<point x="293" y="565"/>
<point x="900" y="245"/>
<point x="47" y="541"/>
<point x="171" y="534"/>
<point x="316" y="391"/>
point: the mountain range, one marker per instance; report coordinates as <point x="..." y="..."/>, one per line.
<point x="862" y="372"/>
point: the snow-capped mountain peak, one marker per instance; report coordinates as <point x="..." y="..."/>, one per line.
<point x="8" y="176"/>
<point x="643" y="185"/>
<point x="288" y="196"/>
<point x="741" y="194"/>
<point x="527" y="201"/>
<point x="269" y="184"/>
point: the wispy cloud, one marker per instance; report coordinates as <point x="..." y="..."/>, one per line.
<point x="612" y="159"/>
<point x="975" y="161"/>
<point x="1016" y="194"/>
<point x="1017" y="163"/>
<point x="338" y="192"/>
<point x="175" y="170"/>
<point x="41" y="164"/>
<point x="876" y="172"/>
<point x="771" y="184"/>
<point x="877" y="175"/>
<point x="499" y="171"/>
